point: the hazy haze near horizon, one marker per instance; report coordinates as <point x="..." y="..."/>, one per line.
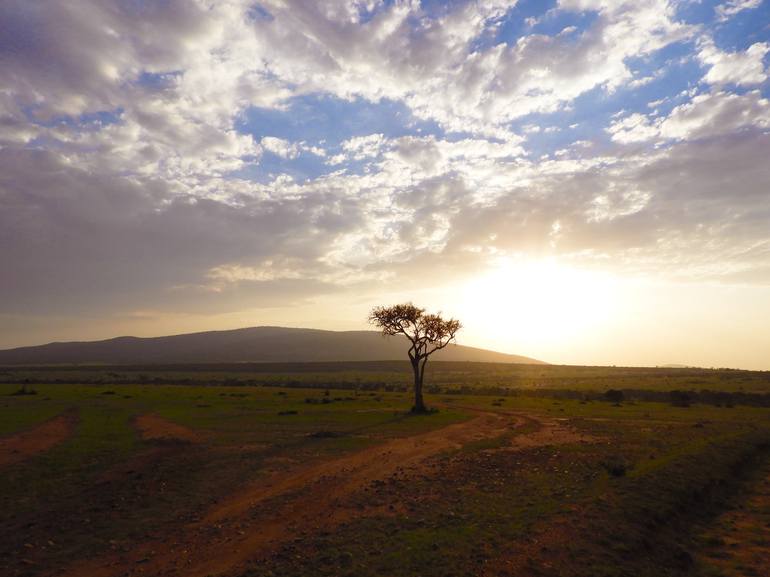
<point x="578" y="181"/>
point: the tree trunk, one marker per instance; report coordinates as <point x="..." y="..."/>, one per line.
<point x="419" y="404"/>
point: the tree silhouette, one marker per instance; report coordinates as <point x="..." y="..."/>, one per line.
<point x="426" y="333"/>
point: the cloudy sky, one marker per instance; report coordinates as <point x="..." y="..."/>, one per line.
<point x="583" y="181"/>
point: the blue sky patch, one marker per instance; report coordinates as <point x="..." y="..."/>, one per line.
<point x="158" y="80"/>
<point x="326" y="122"/>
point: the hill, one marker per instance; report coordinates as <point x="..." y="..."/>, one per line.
<point x="255" y="344"/>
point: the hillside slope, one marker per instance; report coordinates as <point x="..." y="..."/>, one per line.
<point x="256" y="344"/>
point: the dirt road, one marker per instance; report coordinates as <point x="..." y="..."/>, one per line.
<point x="155" y="428"/>
<point x="44" y="436"/>
<point x="739" y="539"/>
<point x="250" y="523"/>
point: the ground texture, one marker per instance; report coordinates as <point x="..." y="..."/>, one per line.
<point x="253" y="482"/>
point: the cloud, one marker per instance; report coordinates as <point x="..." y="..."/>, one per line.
<point x="173" y="75"/>
<point x="717" y="113"/>
<point x="131" y="178"/>
<point x="280" y="147"/>
<point x="705" y="115"/>
<point x="635" y="127"/>
<point x="431" y="63"/>
<point x="742" y="68"/>
<point x="73" y="241"/>
<point x="181" y="72"/>
<point x="732" y="7"/>
<point x="671" y="212"/>
<point x="14" y="127"/>
<point x="360" y="147"/>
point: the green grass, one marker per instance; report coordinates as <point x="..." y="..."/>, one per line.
<point x="482" y="502"/>
<point x="24" y="412"/>
<point x="63" y="494"/>
<point x="458" y="376"/>
<point x="105" y="486"/>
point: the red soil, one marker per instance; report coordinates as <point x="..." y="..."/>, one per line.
<point x="36" y="440"/>
<point x="254" y="521"/>
<point x="156" y="428"/>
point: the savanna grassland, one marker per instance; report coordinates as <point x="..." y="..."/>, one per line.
<point x="442" y="376"/>
<point x="317" y="469"/>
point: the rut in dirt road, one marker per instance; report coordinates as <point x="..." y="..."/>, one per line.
<point x="153" y="427"/>
<point x="37" y="440"/>
<point x="258" y="518"/>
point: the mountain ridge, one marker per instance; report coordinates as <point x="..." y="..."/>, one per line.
<point x="250" y="344"/>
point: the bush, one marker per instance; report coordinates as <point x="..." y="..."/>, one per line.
<point x="616" y="465"/>
<point x="614" y="396"/>
<point x="680" y="398"/>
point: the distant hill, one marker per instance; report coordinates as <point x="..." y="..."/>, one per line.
<point x="256" y="344"/>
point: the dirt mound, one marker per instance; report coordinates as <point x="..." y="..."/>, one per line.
<point x="155" y="428"/>
<point x="36" y="440"/>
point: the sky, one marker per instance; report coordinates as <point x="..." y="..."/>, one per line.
<point x="579" y="181"/>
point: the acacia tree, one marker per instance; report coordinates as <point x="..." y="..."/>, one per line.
<point x="426" y="333"/>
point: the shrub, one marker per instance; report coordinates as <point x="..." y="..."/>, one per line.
<point x="614" y="396"/>
<point x="680" y="398"/>
<point x="616" y="465"/>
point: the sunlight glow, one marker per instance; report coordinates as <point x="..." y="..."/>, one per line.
<point x="540" y="303"/>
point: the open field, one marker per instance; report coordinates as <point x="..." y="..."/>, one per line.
<point x="442" y="376"/>
<point x="146" y="478"/>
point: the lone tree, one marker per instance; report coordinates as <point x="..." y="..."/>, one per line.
<point x="427" y="333"/>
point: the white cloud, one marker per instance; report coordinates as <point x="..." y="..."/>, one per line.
<point x="182" y="71"/>
<point x="634" y="128"/>
<point x="732" y="7"/>
<point x="433" y="67"/>
<point x="280" y="147"/>
<point x="147" y="203"/>
<point x="742" y="68"/>
<point x="361" y="147"/>
<point x="717" y="113"/>
<point x="705" y="115"/>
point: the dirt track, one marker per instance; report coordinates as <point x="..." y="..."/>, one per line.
<point x="36" y="440"/>
<point x="739" y="539"/>
<point x="551" y="432"/>
<point x="252" y="522"/>
<point x="155" y="428"/>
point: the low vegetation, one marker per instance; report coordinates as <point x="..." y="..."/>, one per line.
<point x="710" y="386"/>
<point x="544" y="480"/>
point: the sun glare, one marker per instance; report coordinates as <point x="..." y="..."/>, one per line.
<point x="542" y="304"/>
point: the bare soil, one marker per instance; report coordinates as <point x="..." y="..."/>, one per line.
<point x="43" y="437"/>
<point x="155" y="428"/>
<point x="252" y="522"/>
<point x="739" y="544"/>
<point x="550" y="432"/>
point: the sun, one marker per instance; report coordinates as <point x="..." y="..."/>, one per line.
<point x="538" y="304"/>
